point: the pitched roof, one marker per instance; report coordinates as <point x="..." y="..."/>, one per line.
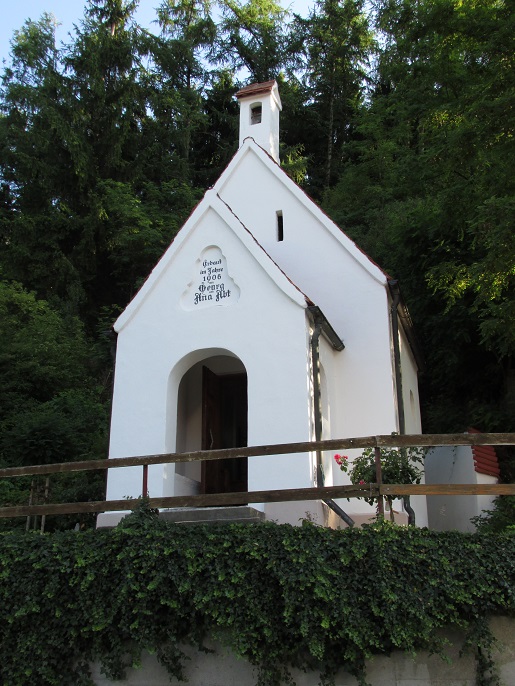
<point x="250" y="146"/>
<point x="212" y="201"/>
<point x="256" y="89"/>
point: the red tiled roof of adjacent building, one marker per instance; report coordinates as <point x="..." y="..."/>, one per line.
<point x="485" y="458"/>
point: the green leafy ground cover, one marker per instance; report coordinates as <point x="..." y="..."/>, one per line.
<point x="279" y="596"/>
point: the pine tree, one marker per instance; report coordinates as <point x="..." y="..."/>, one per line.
<point x="336" y="41"/>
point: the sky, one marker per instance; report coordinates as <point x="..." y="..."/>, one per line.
<point x="68" y="12"/>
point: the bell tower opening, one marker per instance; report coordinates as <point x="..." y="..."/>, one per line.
<point x="256" y="112"/>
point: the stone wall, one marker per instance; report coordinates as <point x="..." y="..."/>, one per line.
<point x="222" y="668"/>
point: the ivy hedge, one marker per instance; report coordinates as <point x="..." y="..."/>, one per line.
<point x="279" y="596"/>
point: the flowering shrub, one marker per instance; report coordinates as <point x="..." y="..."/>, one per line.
<point x="398" y="466"/>
<point x="342" y="462"/>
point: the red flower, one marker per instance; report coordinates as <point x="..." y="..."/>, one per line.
<point x="339" y="459"/>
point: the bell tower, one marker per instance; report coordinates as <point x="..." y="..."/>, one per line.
<point x="260" y="106"/>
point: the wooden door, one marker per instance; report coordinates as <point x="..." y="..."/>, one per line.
<point x="224" y="425"/>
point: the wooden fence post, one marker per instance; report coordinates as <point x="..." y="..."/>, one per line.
<point x="144" y="489"/>
<point x="379" y="481"/>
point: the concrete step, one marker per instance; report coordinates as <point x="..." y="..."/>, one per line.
<point x="213" y="515"/>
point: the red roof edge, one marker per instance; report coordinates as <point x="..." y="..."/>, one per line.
<point x="255" y="89"/>
<point x="485" y="458"/>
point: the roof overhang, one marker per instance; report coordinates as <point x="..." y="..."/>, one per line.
<point x="407" y="323"/>
<point x="329" y="333"/>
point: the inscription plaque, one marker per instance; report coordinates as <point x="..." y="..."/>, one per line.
<point x="211" y="284"/>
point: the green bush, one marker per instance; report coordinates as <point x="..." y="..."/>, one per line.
<point x="279" y="596"/>
<point x="398" y="466"/>
<point x="500" y="518"/>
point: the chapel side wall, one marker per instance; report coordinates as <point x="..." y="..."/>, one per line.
<point x="410" y="394"/>
<point x="412" y="419"/>
<point x="354" y="302"/>
<point x="269" y="341"/>
<point x="353" y="384"/>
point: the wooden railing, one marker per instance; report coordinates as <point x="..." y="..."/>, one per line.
<point x="375" y="490"/>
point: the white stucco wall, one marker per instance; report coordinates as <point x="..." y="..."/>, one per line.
<point x="409" y="386"/>
<point x="265" y="329"/>
<point x="412" y="420"/>
<point x="265" y="132"/>
<point x="454" y="465"/>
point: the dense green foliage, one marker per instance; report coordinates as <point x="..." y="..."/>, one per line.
<point x="279" y="596"/>
<point x="499" y="518"/>
<point x="398" y="117"/>
<point x="426" y="190"/>
<point x="52" y="398"/>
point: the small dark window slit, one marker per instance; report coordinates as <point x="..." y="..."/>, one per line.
<point x="280" y="226"/>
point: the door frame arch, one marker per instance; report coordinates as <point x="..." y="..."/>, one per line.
<point x="187" y="422"/>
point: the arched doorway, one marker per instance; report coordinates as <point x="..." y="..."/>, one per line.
<point x="212" y="414"/>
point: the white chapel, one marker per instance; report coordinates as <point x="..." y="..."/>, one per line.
<point x="262" y="323"/>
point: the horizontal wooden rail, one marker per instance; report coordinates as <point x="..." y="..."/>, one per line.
<point x="270" y="496"/>
<point x="289" y="495"/>
<point x="205" y="500"/>
<point x="386" y="441"/>
<point x="447" y="489"/>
